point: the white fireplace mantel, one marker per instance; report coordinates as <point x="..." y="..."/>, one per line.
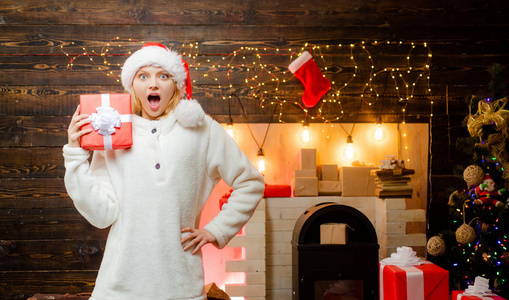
<point x="267" y="241"/>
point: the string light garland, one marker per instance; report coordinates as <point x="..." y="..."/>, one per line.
<point x="487" y="255"/>
<point x="264" y="81"/>
<point x="248" y="68"/>
<point x="354" y="72"/>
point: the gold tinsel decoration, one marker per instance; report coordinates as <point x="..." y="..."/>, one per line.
<point x="473" y="175"/>
<point x="495" y="145"/>
<point x="436" y="246"/>
<point x="465" y="234"/>
<point x="489" y="113"/>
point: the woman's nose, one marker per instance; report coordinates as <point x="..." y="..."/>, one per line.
<point x="154" y="84"/>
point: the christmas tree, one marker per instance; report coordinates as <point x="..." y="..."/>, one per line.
<point x="476" y="243"/>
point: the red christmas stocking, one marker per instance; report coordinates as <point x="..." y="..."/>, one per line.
<point x="315" y="84"/>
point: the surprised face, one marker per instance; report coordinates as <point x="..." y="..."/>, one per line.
<point x="154" y="88"/>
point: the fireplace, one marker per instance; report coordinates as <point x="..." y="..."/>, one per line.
<point x="268" y="242"/>
<point x="333" y="271"/>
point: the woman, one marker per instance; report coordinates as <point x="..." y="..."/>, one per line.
<point x="152" y="194"/>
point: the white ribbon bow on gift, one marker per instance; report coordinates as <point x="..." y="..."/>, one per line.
<point x="405" y="258"/>
<point x="105" y="120"/>
<point x="481" y="289"/>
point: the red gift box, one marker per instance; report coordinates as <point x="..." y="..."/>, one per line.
<point x="426" y="281"/>
<point x="457" y="295"/>
<point x="277" y="191"/>
<point x="111" y="121"/>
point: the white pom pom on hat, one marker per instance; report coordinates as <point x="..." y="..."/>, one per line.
<point x="188" y="113"/>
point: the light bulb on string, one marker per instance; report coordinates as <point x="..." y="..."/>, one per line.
<point x="229" y="120"/>
<point x="350" y="149"/>
<point x="306" y="137"/>
<point x="261" y="161"/>
<point x="378" y="134"/>
<point x="229" y="127"/>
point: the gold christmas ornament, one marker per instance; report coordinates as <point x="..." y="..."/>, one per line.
<point x="489" y="113"/>
<point x="465" y="234"/>
<point x="484" y="227"/>
<point x="436" y="246"/>
<point x="473" y="175"/>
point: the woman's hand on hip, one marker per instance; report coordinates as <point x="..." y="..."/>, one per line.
<point x="196" y="238"/>
<point x="74" y="133"/>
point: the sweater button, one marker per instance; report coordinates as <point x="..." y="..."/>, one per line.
<point x="158" y="166"/>
<point x="154" y="130"/>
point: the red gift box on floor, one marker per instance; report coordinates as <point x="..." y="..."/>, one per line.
<point x="480" y="290"/>
<point x="277" y="191"/>
<point x="406" y="277"/>
<point x="458" y="295"/>
<point x="111" y="121"/>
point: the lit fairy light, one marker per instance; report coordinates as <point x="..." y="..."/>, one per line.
<point x="248" y="68"/>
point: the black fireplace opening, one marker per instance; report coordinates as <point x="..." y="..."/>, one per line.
<point x="324" y="271"/>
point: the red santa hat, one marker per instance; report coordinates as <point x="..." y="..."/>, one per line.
<point x="188" y="113"/>
<point x="487" y="177"/>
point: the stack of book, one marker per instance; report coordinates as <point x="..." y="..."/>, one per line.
<point x="393" y="183"/>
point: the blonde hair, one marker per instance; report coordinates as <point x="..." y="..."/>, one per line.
<point x="172" y="104"/>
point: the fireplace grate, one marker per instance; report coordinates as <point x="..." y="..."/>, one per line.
<point x="322" y="272"/>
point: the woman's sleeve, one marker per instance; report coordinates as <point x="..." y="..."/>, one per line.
<point x="89" y="186"/>
<point x="225" y="159"/>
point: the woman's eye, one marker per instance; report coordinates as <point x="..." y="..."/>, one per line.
<point x="143" y="76"/>
<point x="164" y="76"/>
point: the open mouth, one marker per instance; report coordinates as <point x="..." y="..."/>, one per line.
<point x="154" y="101"/>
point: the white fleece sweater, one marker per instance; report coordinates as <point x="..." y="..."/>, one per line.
<point x="151" y="191"/>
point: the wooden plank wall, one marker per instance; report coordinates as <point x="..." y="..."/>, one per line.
<point x="45" y="246"/>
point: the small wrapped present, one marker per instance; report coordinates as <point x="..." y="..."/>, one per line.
<point x="329" y="188"/>
<point x="305" y="173"/>
<point x="356" y="181"/>
<point x="328" y="172"/>
<point x="277" y="191"/>
<point x="308" y="159"/>
<point x="110" y="116"/>
<point x="480" y="290"/>
<point x="405" y="276"/>
<point x="305" y="187"/>
<point x="334" y="233"/>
